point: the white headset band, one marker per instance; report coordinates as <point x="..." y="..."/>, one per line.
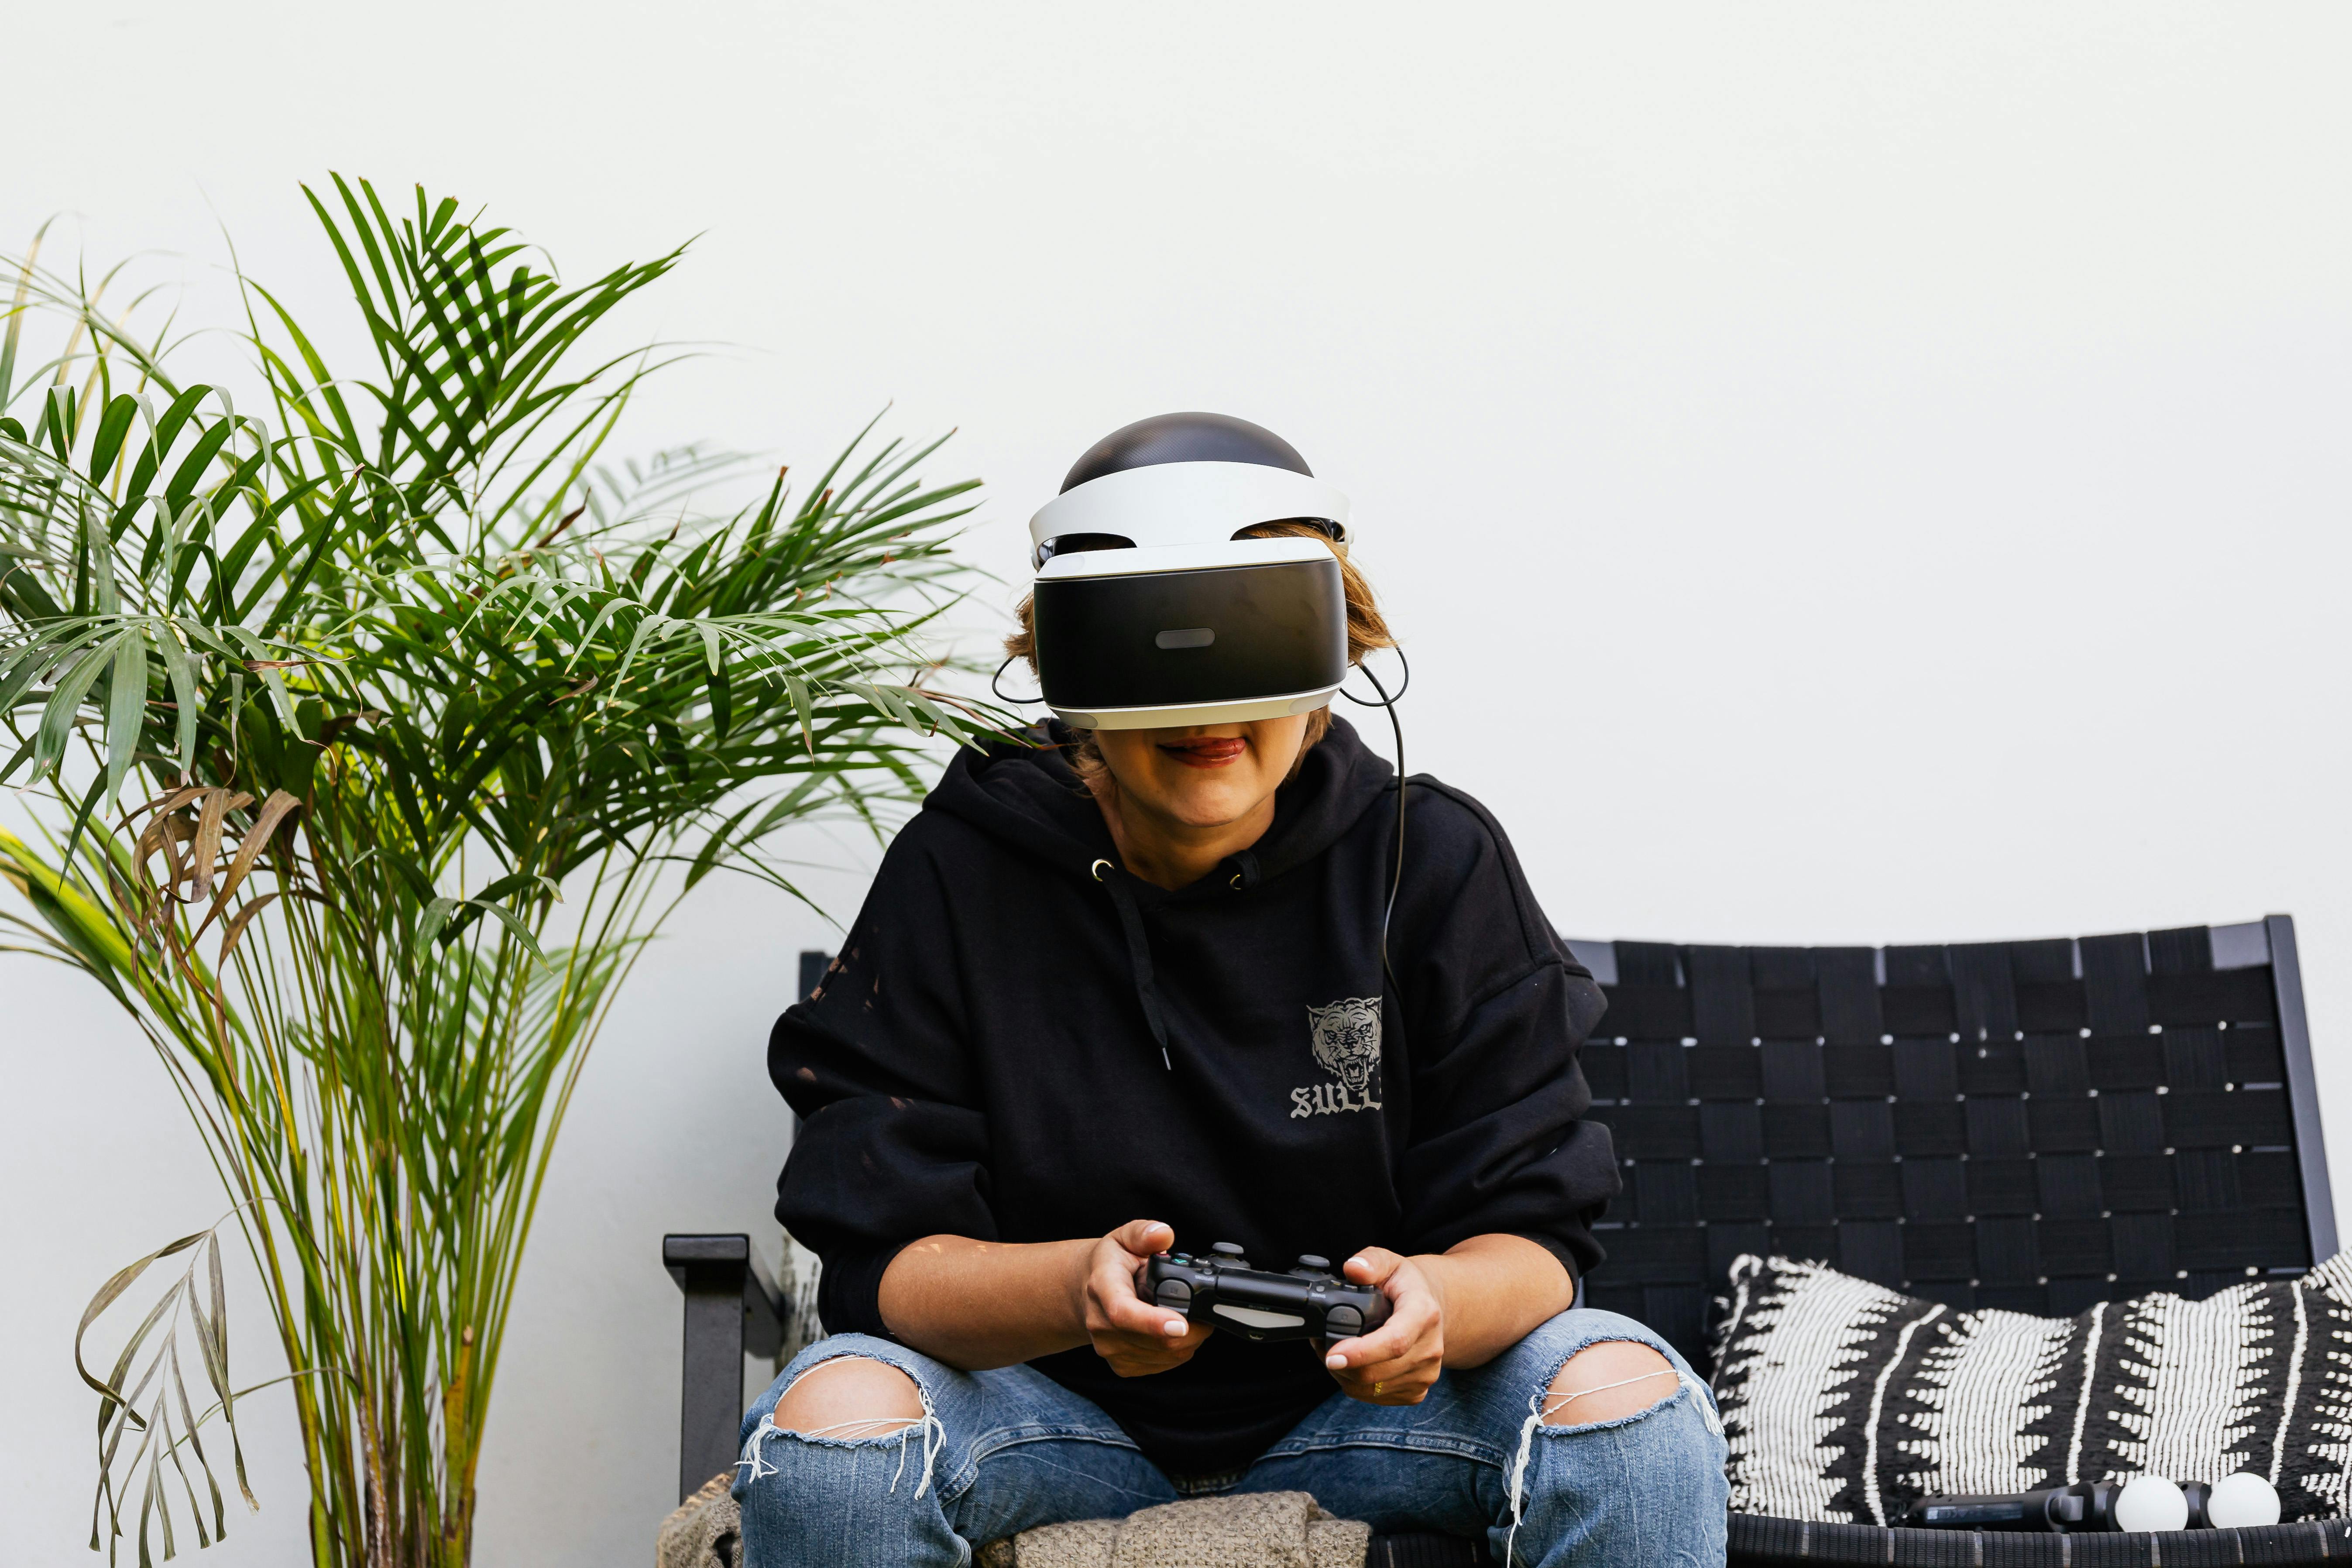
<point x="1186" y="503"/>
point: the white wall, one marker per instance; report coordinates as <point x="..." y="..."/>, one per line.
<point x="1847" y="473"/>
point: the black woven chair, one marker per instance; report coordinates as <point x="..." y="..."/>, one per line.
<point x="2035" y="1125"/>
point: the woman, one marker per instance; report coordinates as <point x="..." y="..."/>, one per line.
<point x="1119" y="992"/>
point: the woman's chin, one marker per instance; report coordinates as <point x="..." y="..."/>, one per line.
<point x="1200" y="808"/>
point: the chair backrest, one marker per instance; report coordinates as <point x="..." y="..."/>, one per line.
<point x="2036" y="1125"/>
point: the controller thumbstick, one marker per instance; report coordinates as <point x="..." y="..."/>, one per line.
<point x="1226" y="1249"/>
<point x="1309" y="1260"/>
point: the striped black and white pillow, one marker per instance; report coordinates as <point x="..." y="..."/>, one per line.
<point x="1843" y="1401"/>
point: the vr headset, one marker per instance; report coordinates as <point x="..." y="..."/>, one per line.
<point x="1152" y="610"/>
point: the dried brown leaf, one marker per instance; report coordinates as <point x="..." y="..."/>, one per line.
<point x="207" y="845"/>
<point x="248" y="850"/>
<point x="236" y="927"/>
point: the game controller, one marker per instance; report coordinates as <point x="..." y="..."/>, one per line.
<point x="1222" y="1290"/>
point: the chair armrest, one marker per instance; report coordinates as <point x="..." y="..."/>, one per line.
<point x="766" y="1313"/>
<point x="732" y="1311"/>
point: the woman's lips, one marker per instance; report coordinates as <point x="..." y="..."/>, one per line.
<point x="1208" y="752"/>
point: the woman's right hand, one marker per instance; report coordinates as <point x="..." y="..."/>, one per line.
<point x="1136" y="1337"/>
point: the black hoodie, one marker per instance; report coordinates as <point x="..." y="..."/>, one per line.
<point x="985" y="1059"/>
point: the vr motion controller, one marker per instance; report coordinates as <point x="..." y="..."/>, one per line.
<point x="2142" y="1503"/>
<point x="1222" y="1290"/>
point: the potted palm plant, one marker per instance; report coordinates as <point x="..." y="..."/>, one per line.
<point x="371" y="722"/>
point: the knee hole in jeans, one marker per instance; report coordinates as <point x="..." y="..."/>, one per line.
<point x="1607" y="1381"/>
<point x="849" y="1397"/>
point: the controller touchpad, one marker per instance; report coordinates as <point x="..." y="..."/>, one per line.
<point x="1258" y="1317"/>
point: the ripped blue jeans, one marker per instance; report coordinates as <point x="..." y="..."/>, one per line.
<point x="1004" y="1451"/>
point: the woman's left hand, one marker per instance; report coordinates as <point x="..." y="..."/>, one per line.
<point x="1396" y="1363"/>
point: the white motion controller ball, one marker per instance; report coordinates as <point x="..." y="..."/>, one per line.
<point x="2243" y="1499"/>
<point x="2151" y="1502"/>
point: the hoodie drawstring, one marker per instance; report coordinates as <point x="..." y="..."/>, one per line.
<point x="1138" y="953"/>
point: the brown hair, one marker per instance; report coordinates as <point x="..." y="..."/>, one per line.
<point x="1366" y="630"/>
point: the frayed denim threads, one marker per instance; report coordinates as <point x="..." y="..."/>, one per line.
<point x="934" y="1435"/>
<point x="1542" y="1403"/>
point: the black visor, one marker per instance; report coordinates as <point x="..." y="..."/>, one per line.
<point x="1182" y="639"/>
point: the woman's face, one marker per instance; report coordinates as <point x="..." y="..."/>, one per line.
<point x="1201" y="775"/>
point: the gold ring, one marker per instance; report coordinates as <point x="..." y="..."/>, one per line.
<point x="1378" y="1387"/>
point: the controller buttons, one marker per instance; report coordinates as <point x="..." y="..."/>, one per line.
<point x="1226" y="1249"/>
